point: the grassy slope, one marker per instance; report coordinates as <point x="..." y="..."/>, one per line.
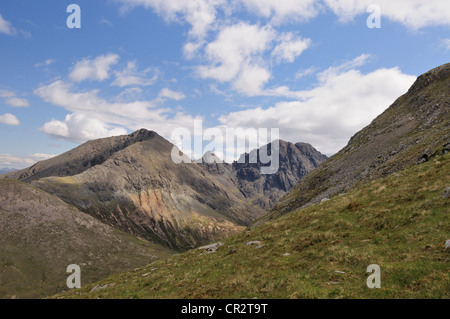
<point x="40" y="236"/>
<point x="399" y="222"/>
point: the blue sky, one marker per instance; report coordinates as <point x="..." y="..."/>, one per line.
<point x="312" y="68"/>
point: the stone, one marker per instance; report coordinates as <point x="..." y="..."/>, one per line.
<point x="324" y="200"/>
<point x="446" y="194"/>
<point x="211" y="248"/>
<point x="447" y="244"/>
<point x="95" y="288"/>
<point x="255" y="242"/>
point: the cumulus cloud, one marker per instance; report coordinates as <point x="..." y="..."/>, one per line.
<point x="200" y="14"/>
<point x="18" y="162"/>
<point x="172" y="95"/>
<point x="329" y="114"/>
<point x="414" y="14"/>
<point x="9" y="119"/>
<point x="97" y="69"/>
<point x="290" y="47"/>
<point x="282" y="11"/>
<point x="103" y="117"/>
<point x="132" y="76"/>
<point x="6" y="27"/>
<point x="238" y="55"/>
<point x="79" y="128"/>
<point x="11" y="99"/>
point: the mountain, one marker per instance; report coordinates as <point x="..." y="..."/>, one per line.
<point x="131" y="183"/>
<point x="399" y="222"/>
<point x="410" y="131"/>
<point x="40" y="236"/>
<point x="7" y="170"/>
<point x="392" y="183"/>
<point x="295" y="161"/>
<point x="264" y="190"/>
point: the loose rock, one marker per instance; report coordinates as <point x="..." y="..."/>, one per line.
<point x="211" y="248"/>
<point x="447" y="244"/>
<point x="446" y="194"/>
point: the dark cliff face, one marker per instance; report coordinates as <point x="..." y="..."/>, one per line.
<point x="413" y="128"/>
<point x="295" y="161"/>
<point x="264" y="190"/>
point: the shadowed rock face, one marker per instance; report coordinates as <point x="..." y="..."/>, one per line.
<point x="414" y="128"/>
<point x="40" y="236"/>
<point x="295" y="161"/>
<point x="131" y="183"/>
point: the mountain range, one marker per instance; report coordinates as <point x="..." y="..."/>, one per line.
<point x="383" y="199"/>
<point x="314" y="225"/>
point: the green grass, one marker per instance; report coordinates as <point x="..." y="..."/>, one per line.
<point x="400" y="223"/>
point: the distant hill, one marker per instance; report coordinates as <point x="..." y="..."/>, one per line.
<point x="40" y="236"/>
<point x="7" y="170"/>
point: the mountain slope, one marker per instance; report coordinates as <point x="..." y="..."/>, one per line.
<point x="131" y="183"/>
<point x="415" y="127"/>
<point x="40" y="236"/>
<point x="140" y="190"/>
<point x="399" y="222"/>
<point x="81" y="158"/>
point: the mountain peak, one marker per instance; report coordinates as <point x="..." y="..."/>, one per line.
<point x="437" y="74"/>
<point x="143" y="134"/>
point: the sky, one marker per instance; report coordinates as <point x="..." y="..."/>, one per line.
<point x="314" y="69"/>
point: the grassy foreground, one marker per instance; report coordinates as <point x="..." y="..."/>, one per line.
<point x="400" y="223"/>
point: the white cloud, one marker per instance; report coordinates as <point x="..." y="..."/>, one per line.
<point x="132" y="76"/>
<point x="106" y="22"/>
<point x="40" y="157"/>
<point x="173" y="95"/>
<point x="18" y="162"/>
<point x="282" y="11"/>
<point x="104" y="118"/>
<point x="240" y="53"/>
<point x="251" y="80"/>
<point x="329" y="114"/>
<point x="415" y="14"/>
<point x="6" y="27"/>
<point x="79" y="128"/>
<point x="445" y="43"/>
<point x="234" y="46"/>
<point x="17" y="102"/>
<point x="11" y="99"/>
<point x="97" y="69"/>
<point x="9" y="119"/>
<point x="45" y="63"/>
<point x="200" y="14"/>
<point x="305" y="72"/>
<point x="290" y="47"/>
